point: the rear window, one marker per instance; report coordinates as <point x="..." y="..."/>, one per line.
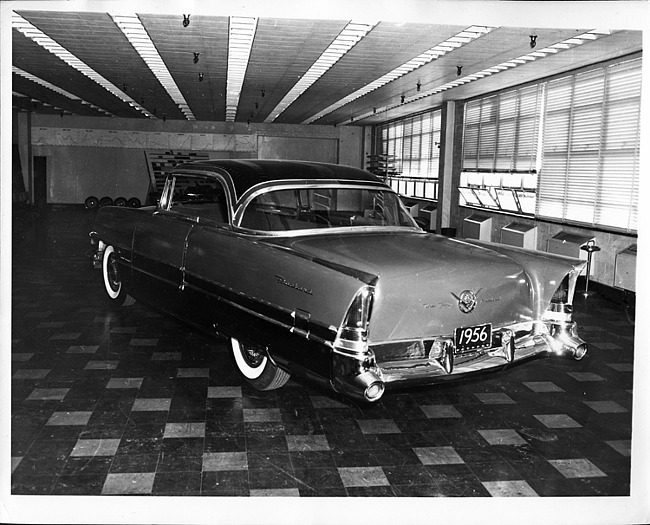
<point x="308" y="208"/>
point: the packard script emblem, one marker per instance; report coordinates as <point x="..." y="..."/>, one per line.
<point x="466" y="300"/>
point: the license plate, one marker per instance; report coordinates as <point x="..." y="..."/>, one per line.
<point x="473" y="337"/>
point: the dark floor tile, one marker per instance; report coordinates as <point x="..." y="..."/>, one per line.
<point x="272" y="478"/>
<point x="177" y="484"/>
<point x="79" y="484"/>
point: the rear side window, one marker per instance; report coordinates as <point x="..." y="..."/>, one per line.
<point x="195" y="196"/>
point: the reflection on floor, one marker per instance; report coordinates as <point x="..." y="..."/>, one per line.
<point x="128" y="401"/>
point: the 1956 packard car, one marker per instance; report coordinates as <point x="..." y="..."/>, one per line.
<point x="318" y="270"/>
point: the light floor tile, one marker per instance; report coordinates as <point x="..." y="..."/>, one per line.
<point x="621" y="367"/>
<point x="606" y="407"/>
<point x="307" y="443"/>
<point x="31" y="373"/>
<point x="505" y="489"/>
<point x="220" y="461"/>
<point x="102" y="365"/>
<point x="125" y="382"/>
<point x="184" y="430"/>
<point x="441" y="411"/>
<point x="577" y="468"/>
<point x="505" y="436"/>
<point x="378" y="426"/>
<point x="497" y="398"/>
<point x="543" y="386"/>
<point x="262" y="415"/>
<point x="95" y="447"/>
<point x="558" y="421"/>
<point x="65" y="337"/>
<point x="21" y="357"/>
<point x="363" y="477"/>
<point x="143" y="342"/>
<point x="124" y="330"/>
<point x="69" y="418"/>
<point x="48" y="394"/>
<point x="15" y="461"/>
<point x="193" y="372"/>
<point x="275" y="493"/>
<point x="622" y="446"/>
<point x="438" y="456"/>
<point x="326" y="402"/>
<point x="166" y="356"/>
<point x="222" y="392"/>
<point x="585" y="376"/>
<point x="151" y="405"/>
<point x="82" y="349"/>
<point x="130" y="483"/>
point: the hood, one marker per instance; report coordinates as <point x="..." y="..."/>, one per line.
<point x="420" y="278"/>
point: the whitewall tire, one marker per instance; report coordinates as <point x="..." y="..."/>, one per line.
<point x="256" y="368"/>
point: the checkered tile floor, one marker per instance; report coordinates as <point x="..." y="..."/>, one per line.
<point x="128" y="401"/>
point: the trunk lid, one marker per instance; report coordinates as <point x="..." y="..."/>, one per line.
<point x="421" y="278"/>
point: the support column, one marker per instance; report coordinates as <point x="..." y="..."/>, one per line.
<point x="451" y="135"/>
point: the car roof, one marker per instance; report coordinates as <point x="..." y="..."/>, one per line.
<point x="246" y="173"/>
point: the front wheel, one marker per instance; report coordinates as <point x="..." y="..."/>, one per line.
<point x="112" y="281"/>
<point x="256" y="367"/>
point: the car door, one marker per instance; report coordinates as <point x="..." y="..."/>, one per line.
<point x="160" y="240"/>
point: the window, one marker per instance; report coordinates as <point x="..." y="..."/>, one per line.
<point x="564" y="149"/>
<point x="196" y="197"/>
<point x="410" y="149"/>
<point x="324" y="207"/>
<point x="500" y="150"/>
<point x="590" y="166"/>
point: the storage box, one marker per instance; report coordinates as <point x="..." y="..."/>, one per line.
<point x="625" y="269"/>
<point x="568" y="244"/>
<point x="520" y="234"/>
<point x="477" y="226"/>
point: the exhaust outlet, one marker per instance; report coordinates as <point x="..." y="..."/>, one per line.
<point x="366" y="386"/>
<point x="563" y="340"/>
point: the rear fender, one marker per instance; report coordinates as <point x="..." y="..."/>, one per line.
<point x="546" y="271"/>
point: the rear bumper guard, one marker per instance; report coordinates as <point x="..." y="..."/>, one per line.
<point x="362" y="376"/>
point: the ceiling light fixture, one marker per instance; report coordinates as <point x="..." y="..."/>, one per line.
<point x="56" y="89"/>
<point x="349" y="37"/>
<point x="186" y="20"/>
<point x="533" y="41"/>
<point x="240" y="41"/>
<point x="196" y="58"/>
<point x="452" y="43"/>
<point x="515" y="62"/>
<point x="137" y="35"/>
<point x="459" y="70"/>
<point x="35" y="34"/>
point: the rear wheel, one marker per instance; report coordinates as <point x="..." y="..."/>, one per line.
<point x="253" y="363"/>
<point x="112" y="281"/>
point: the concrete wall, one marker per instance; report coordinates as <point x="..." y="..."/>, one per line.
<point x="106" y="157"/>
<point x="603" y="262"/>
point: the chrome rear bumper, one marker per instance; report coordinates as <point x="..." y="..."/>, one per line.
<point x="364" y="376"/>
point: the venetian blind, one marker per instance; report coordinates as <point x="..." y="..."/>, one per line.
<point x="501" y="131"/>
<point x="414" y="142"/>
<point x="590" y="169"/>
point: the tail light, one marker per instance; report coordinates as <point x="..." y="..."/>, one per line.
<point x="561" y="295"/>
<point x="353" y="334"/>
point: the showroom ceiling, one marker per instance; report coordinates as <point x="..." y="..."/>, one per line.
<point x="280" y="70"/>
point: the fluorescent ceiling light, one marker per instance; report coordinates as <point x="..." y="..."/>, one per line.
<point x="525" y="59"/>
<point x="435" y="52"/>
<point x="240" y="42"/>
<point x="35" y="34"/>
<point x="54" y="88"/>
<point x="346" y="40"/>
<point x="137" y="35"/>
